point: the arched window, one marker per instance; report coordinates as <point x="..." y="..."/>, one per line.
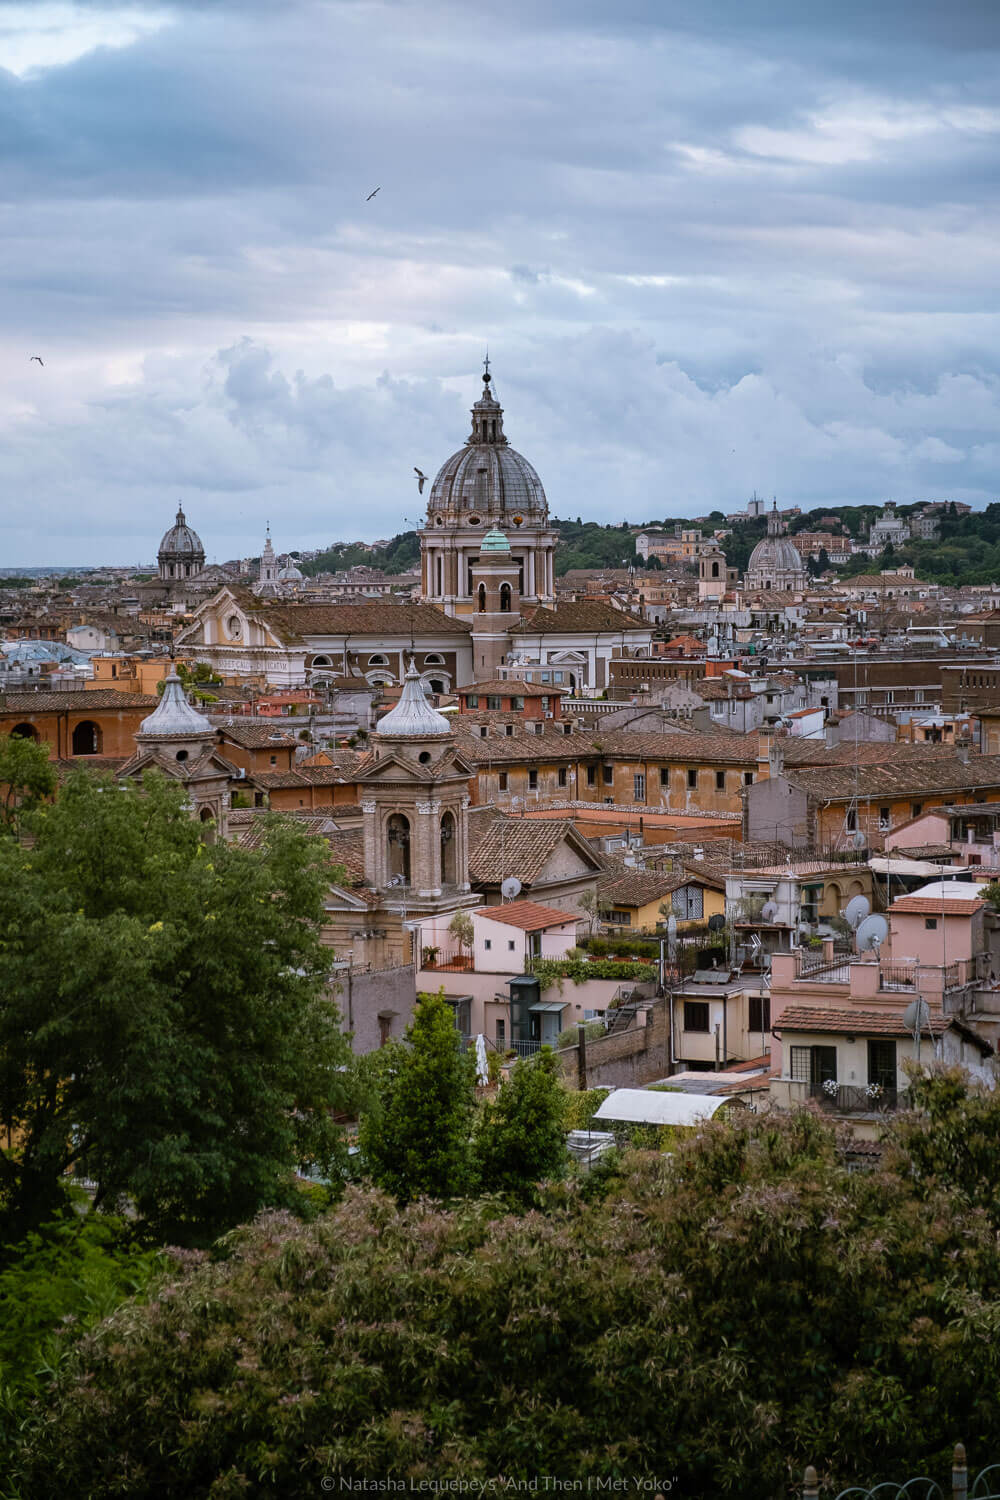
<point x="378" y="661"/>
<point x="505" y="598"/>
<point x="481" y="598"/>
<point x="322" y="661"/>
<point x="715" y="570"/>
<point x="397" y="861"/>
<point x="449" y="853"/>
<point x="207" y="818"/>
<point x="433" y="659"/>
<point x="24" y="732"/>
<point x="87" y="738"/>
<point x="437" y="686"/>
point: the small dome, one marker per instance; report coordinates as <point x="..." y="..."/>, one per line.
<point x="412" y="716"/>
<point x="181" y="540"/>
<point x="173" y="717"/>
<point x="495" y="541"/>
<point x="289" y="574"/>
<point x="775" y="554"/>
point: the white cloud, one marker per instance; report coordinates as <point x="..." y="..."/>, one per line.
<point x="53" y="33"/>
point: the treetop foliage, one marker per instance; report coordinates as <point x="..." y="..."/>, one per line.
<point x="721" y="1316"/>
<point x="165" y="1025"/>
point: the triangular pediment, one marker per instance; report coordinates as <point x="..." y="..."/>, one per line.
<point x="231" y="617"/>
<point x="398" y="766"/>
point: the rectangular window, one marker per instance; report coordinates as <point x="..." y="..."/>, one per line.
<point x="510" y="945"/>
<point x="695" y="1015"/>
<point x="532" y="779"/>
<point x="884" y="817"/>
<point x="882" y="1063"/>
<point x="591" y="775"/>
<point x="916" y="808"/>
<point x="562" y="776"/>
<point x="851" y="821"/>
<point x="546" y="677"/>
<point x="508" y="730"/>
<point x="748" y="778"/>
<point x="720" y="781"/>
<point x="503" y="781"/>
<point x="545" y="704"/>
<point x="799" y="1063"/>
<point x="483" y="731"/>
<point x="472" y="700"/>
<point x="538" y="727"/>
<point x="493" y="700"/>
<point x="639" y="788"/>
<point x="487" y="943"/>
<point x="517" y="703"/>
<point x="664" y="775"/>
<point x="621" y="917"/>
<point x="930" y="923"/>
<point x="608" y="775"/>
<point x="759" y="1013"/>
<point x="501" y="1034"/>
<point x="692" y="778"/>
<point x="558" y="676"/>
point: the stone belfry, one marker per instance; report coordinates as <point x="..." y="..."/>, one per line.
<point x="486" y="485"/>
<point x="496" y="604"/>
<point x="415" y="801"/>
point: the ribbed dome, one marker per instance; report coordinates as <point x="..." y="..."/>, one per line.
<point x="775" y="554"/>
<point x="413" y="715"/>
<point x="488" y="477"/>
<point x="494" y="541"/>
<point x="775" y="562"/>
<point x="181" y="541"/>
<point x="173" y="716"/>
<point x="289" y="574"/>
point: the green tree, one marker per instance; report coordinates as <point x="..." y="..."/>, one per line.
<point x="623" y="1324"/>
<point x="462" y="930"/>
<point x="416" y="1139"/>
<point x="27" y="777"/>
<point x="521" y="1138"/>
<point x="165" y="1024"/>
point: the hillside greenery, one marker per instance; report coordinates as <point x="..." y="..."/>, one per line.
<point x="718" y="1317"/>
<point x="401" y="556"/>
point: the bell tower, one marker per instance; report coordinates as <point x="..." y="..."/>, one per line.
<point x="496" y="594"/>
<point x="415" y="801"/>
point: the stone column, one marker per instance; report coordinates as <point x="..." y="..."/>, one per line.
<point x="425" y="858"/>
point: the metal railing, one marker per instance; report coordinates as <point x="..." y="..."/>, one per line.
<point x="810" y="965"/>
<point x="858" y="1099"/>
<point x="983" y="1486"/>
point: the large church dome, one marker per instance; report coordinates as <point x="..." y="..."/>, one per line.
<point x="487" y="482"/>
<point x="775" y="562"/>
<point x="181" y="554"/>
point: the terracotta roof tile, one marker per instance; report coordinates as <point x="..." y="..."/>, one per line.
<point x="73" y="702"/>
<point x="529" y="916"/>
<point x="518" y="846"/>
<point x="927" y="906"/>
<point x="850" y="1020"/>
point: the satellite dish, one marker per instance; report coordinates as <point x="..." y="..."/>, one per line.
<point x="858" y="839"/>
<point x="871" y="933"/>
<point x="510" y="888"/>
<point x="917" y="1016"/>
<point x="769" y="911"/>
<point x="716" y="922"/>
<point x="856" y="910"/>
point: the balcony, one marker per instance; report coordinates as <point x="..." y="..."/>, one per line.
<point x="858" y="1099"/>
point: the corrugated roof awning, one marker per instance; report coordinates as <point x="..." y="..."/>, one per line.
<point x="646" y="1107"/>
<point x="549" y="1006"/>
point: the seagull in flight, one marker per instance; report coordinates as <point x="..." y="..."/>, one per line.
<point x="372" y="194"/>
<point x="421" y="479"/>
<point x="39" y="358"/>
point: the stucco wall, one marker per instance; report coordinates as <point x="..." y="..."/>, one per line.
<point x="364" y="994"/>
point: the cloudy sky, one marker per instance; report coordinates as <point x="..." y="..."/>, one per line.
<point x="712" y="247"/>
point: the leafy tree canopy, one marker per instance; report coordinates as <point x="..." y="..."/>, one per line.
<point x="27" y="777"/>
<point x="416" y="1136"/>
<point x="521" y="1138"/>
<point x="164" y="1021"/>
<point x="400" y="556"/>
<point x="722" y="1317"/>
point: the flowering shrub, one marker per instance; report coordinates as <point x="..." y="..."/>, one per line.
<point x="604" y="1333"/>
<point x="830" y="1087"/>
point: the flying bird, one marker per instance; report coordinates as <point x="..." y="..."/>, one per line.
<point x="421" y="479"/>
<point x="372" y="194"/>
<point x="39" y="358"/>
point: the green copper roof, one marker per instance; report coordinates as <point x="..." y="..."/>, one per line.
<point x="494" y="541"/>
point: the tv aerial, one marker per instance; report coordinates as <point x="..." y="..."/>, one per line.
<point x="510" y="888"/>
<point x="871" y="933"/>
<point x="917" y="1018"/>
<point x="856" y="910"/>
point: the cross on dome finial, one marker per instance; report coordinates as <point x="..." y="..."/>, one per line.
<point x="486" y="367"/>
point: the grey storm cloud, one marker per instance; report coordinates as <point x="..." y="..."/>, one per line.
<point x="711" y="248"/>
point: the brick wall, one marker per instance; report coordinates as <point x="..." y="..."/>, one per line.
<point x="625" y="1059"/>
